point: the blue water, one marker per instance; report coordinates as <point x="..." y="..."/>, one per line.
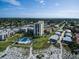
<point x="24" y="39"/>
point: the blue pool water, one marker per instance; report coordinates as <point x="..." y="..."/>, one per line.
<point x="24" y="39"/>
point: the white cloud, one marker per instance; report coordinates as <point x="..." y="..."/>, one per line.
<point x="13" y="2"/>
<point x="41" y="2"/>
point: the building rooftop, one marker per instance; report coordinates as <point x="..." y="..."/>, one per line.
<point x="67" y="30"/>
<point x="57" y="33"/>
<point x="55" y="37"/>
<point x="68" y="34"/>
<point x="67" y="39"/>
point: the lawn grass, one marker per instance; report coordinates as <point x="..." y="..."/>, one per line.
<point x="8" y="41"/>
<point x="41" y="42"/>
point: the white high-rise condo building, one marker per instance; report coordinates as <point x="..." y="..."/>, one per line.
<point x="39" y="28"/>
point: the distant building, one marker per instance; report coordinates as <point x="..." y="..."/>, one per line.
<point x="24" y="29"/>
<point x="27" y="29"/>
<point x="6" y="33"/>
<point x="39" y="28"/>
<point x="3" y="36"/>
<point x="16" y="29"/>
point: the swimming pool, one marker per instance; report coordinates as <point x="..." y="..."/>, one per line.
<point x="24" y="40"/>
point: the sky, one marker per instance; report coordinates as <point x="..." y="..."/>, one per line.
<point x="39" y="8"/>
